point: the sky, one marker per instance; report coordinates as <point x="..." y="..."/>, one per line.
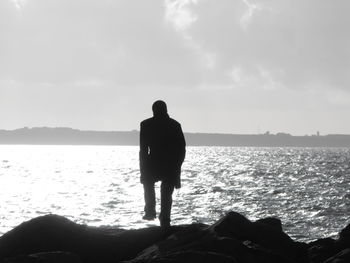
<point x="222" y="66"/>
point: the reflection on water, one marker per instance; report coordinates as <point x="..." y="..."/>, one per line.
<point x="99" y="185"/>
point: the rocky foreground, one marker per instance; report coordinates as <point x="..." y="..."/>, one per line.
<point x="233" y="239"/>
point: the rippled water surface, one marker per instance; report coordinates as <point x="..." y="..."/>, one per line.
<point x="307" y="188"/>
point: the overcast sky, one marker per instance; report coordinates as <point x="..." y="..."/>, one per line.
<point x="226" y="66"/>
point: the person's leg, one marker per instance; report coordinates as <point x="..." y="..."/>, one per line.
<point x="150" y="201"/>
<point x="166" y="192"/>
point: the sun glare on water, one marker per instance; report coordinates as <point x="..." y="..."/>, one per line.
<point x="100" y="185"/>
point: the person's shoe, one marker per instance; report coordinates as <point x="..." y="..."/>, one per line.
<point x="149" y="217"/>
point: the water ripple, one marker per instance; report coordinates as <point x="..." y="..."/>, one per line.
<point x="99" y="185"/>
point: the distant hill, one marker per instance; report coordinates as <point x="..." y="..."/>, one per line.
<point x="68" y="136"/>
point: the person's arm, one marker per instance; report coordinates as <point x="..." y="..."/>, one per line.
<point x="143" y="149"/>
<point x="182" y="142"/>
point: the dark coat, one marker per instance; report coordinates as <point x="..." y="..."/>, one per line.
<point x="162" y="150"/>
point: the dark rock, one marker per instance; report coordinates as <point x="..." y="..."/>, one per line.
<point x="48" y="257"/>
<point x="215" y="241"/>
<point x="271" y="221"/>
<point x="344" y="237"/>
<point x="194" y="240"/>
<point x="190" y="257"/>
<point x="266" y="233"/>
<point x="56" y="233"/>
<point x="327" y="248"/>
<point x="232" y="239"/>
<point x="341" y="257"/>
<point x="262" y="254"/>
<point x="321" y="249"/>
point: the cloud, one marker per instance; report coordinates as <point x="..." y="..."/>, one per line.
<point x="19" y="3"/>
<point x="229" y="58"/>
<point x="127" y="42"/>
<point x="178" y="13"/>
<point x="248" y="15"/>
<point x="298" y="42"/>
<point x="176" y="42"/>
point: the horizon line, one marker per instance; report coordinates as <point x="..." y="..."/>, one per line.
<point x="190" y="132"/>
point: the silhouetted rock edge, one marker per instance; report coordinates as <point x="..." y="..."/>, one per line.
<point x="233" y="238"/>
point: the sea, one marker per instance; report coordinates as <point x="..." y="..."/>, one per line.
<point x="307" y="188"/>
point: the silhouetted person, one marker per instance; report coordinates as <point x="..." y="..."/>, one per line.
<point x="162" y="152"/>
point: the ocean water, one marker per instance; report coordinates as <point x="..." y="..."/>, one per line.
<point x="307" y="188"/>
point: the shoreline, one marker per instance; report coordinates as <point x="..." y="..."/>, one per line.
<point x="69" y="136"/>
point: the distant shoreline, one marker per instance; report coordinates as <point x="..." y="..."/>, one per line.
<point x="69" y="136"/>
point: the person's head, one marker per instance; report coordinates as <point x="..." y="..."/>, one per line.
<point x="159" y="109"/>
